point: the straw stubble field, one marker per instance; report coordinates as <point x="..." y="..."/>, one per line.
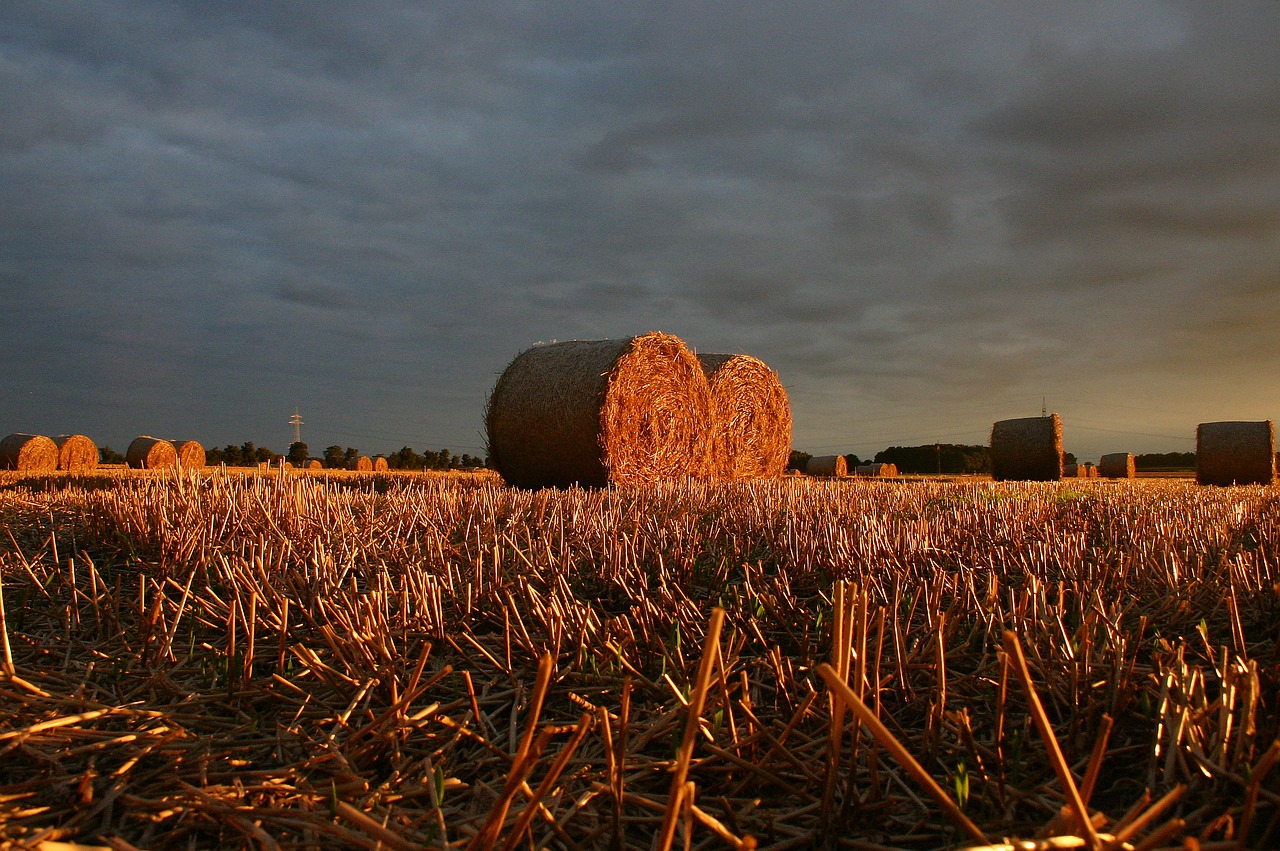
<point x="208" y="661"/>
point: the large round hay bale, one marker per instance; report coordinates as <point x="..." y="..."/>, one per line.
<point x="361" y="464"/>
<point x="190" y="453"/>
<point x="151" y="453"/>
<point x="595" y="412"/>
<point x="1091" y="470"/>
<point x="315" y="464"/>
<point x="827" y="465"/>
<point x="28" y="453"/>
<point x="76" y="453"/>
<point x="379" y="464"/>
<point x="750" y="426"/>
<point x="1027" y="449"/>
<point x="875" y="470"/>
<point x="1117" y="465"/>
<point x="1236" y="453"/>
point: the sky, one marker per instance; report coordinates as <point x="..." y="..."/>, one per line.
<point x="925" y="217"/>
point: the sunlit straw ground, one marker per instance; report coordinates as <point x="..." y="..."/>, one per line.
<point x="282" y="660"/>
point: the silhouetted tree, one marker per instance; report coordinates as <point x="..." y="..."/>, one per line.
<point x="297" y="454"/>
<point x="107" y="455"/>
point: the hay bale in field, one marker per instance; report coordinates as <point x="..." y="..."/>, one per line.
<point x="379" y="464"/>
<point x="28" y="453"/>
<point x="827" y="465"/>
<point x="1027" y="449"/>
<point x="1091" y="470"/>
<point x="595" y="412"/>
<point x="190" y="453"/>
<point x="1074" y="471"/>
<point x="1236" y="453"/>
<point x="76" y="453"/>
<point x="151" y="453"/>
<point x="750" y="427"/>
<point x="361" y="464"/>
<point x="315" y="464"/>
<point x="875" y="470"/>
<point x="1117" y="465"/>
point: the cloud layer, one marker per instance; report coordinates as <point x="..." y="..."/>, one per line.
<point x="925" y="218"/>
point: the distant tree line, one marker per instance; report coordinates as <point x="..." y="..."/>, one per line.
<point x="405" y="459"/>
<point x="1165" y="461"/>
<point x="334" y="457"/>
<point x="938" y="458"/>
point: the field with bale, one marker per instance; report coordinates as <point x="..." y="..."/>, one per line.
<point x="204" y="659"/>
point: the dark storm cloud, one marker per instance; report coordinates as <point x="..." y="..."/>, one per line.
<point x="900" y="207"/>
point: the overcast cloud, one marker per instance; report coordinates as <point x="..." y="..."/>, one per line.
<point x="926" y="217"/>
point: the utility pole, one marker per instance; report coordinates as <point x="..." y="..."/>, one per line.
<point x="1044" y="408"/>
<point x="296" y="422"/>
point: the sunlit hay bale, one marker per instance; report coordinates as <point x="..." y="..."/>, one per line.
<point x="1117" y="465"/>
<point x="379" y="464"/>
<point x="1027" y="449"/>
<point x="875" y="471"/>
<point x="594" y="412"/>
<point x="361" y="464"/>
<point x="151" y="453"/>
<point x="827" y="465"/>
<point x="750" y="425"/>
<point x="29" y="453"/>
<point x="76" y="453"/>
<point x="1091" y="470"/>
<point x="1074" y="471"/>
<point x="1236" y="453"/>
<point x="315" y="464"/>
<point x="190" y="453"/>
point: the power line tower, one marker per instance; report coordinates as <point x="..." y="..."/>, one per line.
<point x="296" y="422"/>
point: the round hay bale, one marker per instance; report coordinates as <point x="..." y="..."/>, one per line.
<point x="362" y="464"/>
<point x="750" y="427"/>
<point x="1027" y="449"/>
<point x="190" y="453"/>
<point x="1074" y="471"/>
<point x="1117" y="465"/>
<point x="827" y="465"/>
<point x="151" y="453"/>
<point x="379" y="464"/>
<point x="1236" y="453"/>
<point x="1091" y="470"/>
<point x="595" y="412"/>
<point x="28" y="453"/>
<point x="76" y="453"/>
<point x="875" y="470"/>
<point x="315" y="464"/>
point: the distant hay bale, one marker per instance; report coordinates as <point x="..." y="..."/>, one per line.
<point x="1236" y="453"/>
<point x="750" y="425"/>
<point x="151" y="453"/>
<point x="1074" y="471"/>
<point x="361" y="464"/>
<point x="1027" y="449"/>
<point x="875" y="471"/>
<point x="190" y="453"/>
<point x="1091" y="470"/>
<point x="1117" y="465"/>
<point x="595" y="412"/>
<point x="315" y="464"/>
<point x="76" y="453"/>
<point x="28" y="453"/>
<point x="379" y="464"/>
<point x="827" y="465"/>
